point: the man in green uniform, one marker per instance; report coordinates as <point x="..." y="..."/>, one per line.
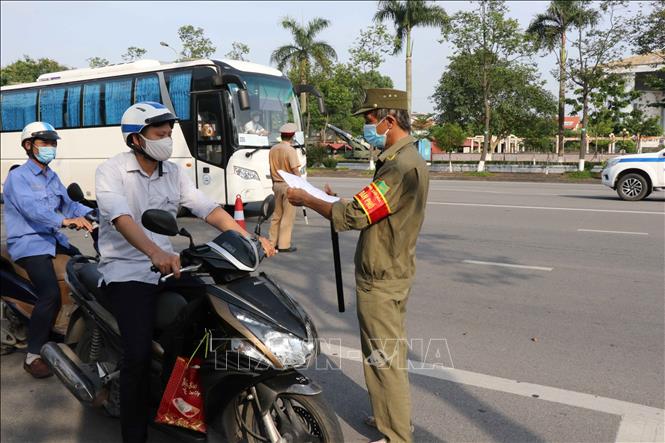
<point x="389" y="213"/>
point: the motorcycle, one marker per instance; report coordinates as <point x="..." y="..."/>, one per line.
<point x="260" y="337"/>
<point x="19" y="295"/>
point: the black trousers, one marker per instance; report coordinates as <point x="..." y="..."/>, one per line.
<point x="43" y="278"/>
<point x="133" y="303"/>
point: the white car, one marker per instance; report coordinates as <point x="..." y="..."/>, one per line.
<point x="635" y="176"/>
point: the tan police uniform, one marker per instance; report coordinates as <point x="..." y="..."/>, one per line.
<point x="283" y="157"/>
<point x="389" y="212"/>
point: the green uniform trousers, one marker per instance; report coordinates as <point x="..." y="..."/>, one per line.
<point x="382" y="317"/>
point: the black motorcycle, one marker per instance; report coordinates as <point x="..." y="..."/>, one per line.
<point x="260" y="337"/>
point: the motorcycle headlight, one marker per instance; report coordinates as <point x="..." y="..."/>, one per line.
<point x="245" y="174"/>
<point x="291" y="351"/>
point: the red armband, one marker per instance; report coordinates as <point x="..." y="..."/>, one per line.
<point x="373" y="201"/>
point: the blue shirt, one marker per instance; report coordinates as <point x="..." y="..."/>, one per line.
<point x="36" y="203"/>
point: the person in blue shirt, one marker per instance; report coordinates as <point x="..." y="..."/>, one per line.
<point x="36" y="207"/>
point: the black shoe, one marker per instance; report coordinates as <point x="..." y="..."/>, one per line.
<point x="291" y="249"/>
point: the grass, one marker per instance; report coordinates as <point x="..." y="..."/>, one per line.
<point x="580" y="174"/>
<point x="478" y="174"/>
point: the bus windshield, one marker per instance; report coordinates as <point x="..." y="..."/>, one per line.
<point x="272" y="104"/>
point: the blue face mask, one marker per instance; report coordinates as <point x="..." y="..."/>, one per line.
<point x="45" y="154"/>
<point x="374" y="139"/>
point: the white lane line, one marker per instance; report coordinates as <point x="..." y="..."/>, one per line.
<point x="507" y="265"/>
<point x="546" y="208"/>
<point x="612" y="232"/>
<point x="639" y="423"/>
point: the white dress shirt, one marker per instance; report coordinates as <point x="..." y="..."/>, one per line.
<point x="123" y="188"/>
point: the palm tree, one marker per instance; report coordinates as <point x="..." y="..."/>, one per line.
<point x="406" y="15"/>
<point x="305" y="51"/>
<point x="549" y="31"/>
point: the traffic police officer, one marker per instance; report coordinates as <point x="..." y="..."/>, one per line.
<point x="389" y="213"/>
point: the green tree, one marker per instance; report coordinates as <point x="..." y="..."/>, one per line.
<point x="595" y="47"/>
<point x="133" y="53"/>
<point x="194" y="43"/>
<point x="519" y="103"/>
<point x="305" y="51"/>
<point x="449" y="136"/>
<point x="647" y="30"/>
<point x="238" y="52"/>
<point x="549" y="30"/>
<point x="638" y="124"/>
<point x="489" y="43"/>
<point x="406" y="15"/>
<point x="370" y="48"/>
<point x="28" y="69"/>
<point x="97" y="62"/>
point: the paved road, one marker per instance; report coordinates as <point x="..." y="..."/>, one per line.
<point x="545" y="303"/>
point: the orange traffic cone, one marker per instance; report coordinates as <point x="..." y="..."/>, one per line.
<point x="239" y="213"/>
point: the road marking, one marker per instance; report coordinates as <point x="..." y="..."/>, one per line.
<point x="639" y="423"/>
<point x="547" y="208"/>
<point x="507" y="265"/>
<point x="613" y="232"/>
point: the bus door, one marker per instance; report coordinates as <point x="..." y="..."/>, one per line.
<point x="210" y="141"/>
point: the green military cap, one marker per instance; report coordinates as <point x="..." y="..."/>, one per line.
<point x="381" y="98"/>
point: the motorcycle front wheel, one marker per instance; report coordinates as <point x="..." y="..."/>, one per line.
<point x="298" y="419"/>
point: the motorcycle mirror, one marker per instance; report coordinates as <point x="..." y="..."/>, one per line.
<point x="75" y="192"/>
<point x="160" y="222"/>
<point x="268" y="206"/>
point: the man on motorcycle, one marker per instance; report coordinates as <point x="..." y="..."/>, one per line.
<point x="36" y="207"/>
<point x="126" y="186"/>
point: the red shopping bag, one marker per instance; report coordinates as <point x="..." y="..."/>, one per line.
<point x="182" y="402"/>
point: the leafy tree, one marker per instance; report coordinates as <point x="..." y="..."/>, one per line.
<point x="595" y="48"/>
<point x="639" y="125"/>
<point x="133" y="53"/>
<point x="342" y="87"/>
<point x="28" y="69"/>
<point x="305" y="51"/>
<point x="238" y="52"/>
<point x="549" y="30"/>
<point x="194" y="43"/>
<point x="449" y="136"/>
<point x="487" y="44"/>
<point x="406" y="15"/>
<point x="371" y="47"/>
<point x="519" y="103"/>
<point x="97" y="62"/>
<point x="647" y="30"/>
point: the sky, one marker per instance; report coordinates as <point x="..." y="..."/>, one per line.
<point x="76" y="31"/>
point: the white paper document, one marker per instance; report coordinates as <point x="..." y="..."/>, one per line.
<point x="297" y="182"/>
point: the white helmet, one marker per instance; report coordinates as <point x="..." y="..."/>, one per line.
<point x="40" y="130"/>
<point x="143" y="114"/>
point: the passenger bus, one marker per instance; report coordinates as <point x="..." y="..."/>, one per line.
<point x="214" y="141"/>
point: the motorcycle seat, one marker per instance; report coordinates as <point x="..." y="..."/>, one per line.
<point x="169" y="305"/>
<point x="59" y="264"/>
<point x="89" y="277"/>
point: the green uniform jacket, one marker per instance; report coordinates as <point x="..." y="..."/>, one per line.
<point x="390" y="213"/>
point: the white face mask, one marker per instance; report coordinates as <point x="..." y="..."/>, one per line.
<point x="160" y="150"/>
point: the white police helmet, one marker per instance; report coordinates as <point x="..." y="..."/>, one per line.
<point x="40" y="130"/>
<point x="143" y="114"/>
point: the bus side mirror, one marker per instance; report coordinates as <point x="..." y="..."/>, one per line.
<point x="309" y="89"/>
<point x="243" y="99"/>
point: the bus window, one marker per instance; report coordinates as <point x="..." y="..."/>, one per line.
<point x="92" y="115"/>
<point x="18" y="109"/>
<point x="117" y="98"/>
<point x="180" y="85"/>
<point x="147" y="89"/>
<point x="209" y="133"/>
<point x="52" y="106"/>
<point x="73" y="108"/>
